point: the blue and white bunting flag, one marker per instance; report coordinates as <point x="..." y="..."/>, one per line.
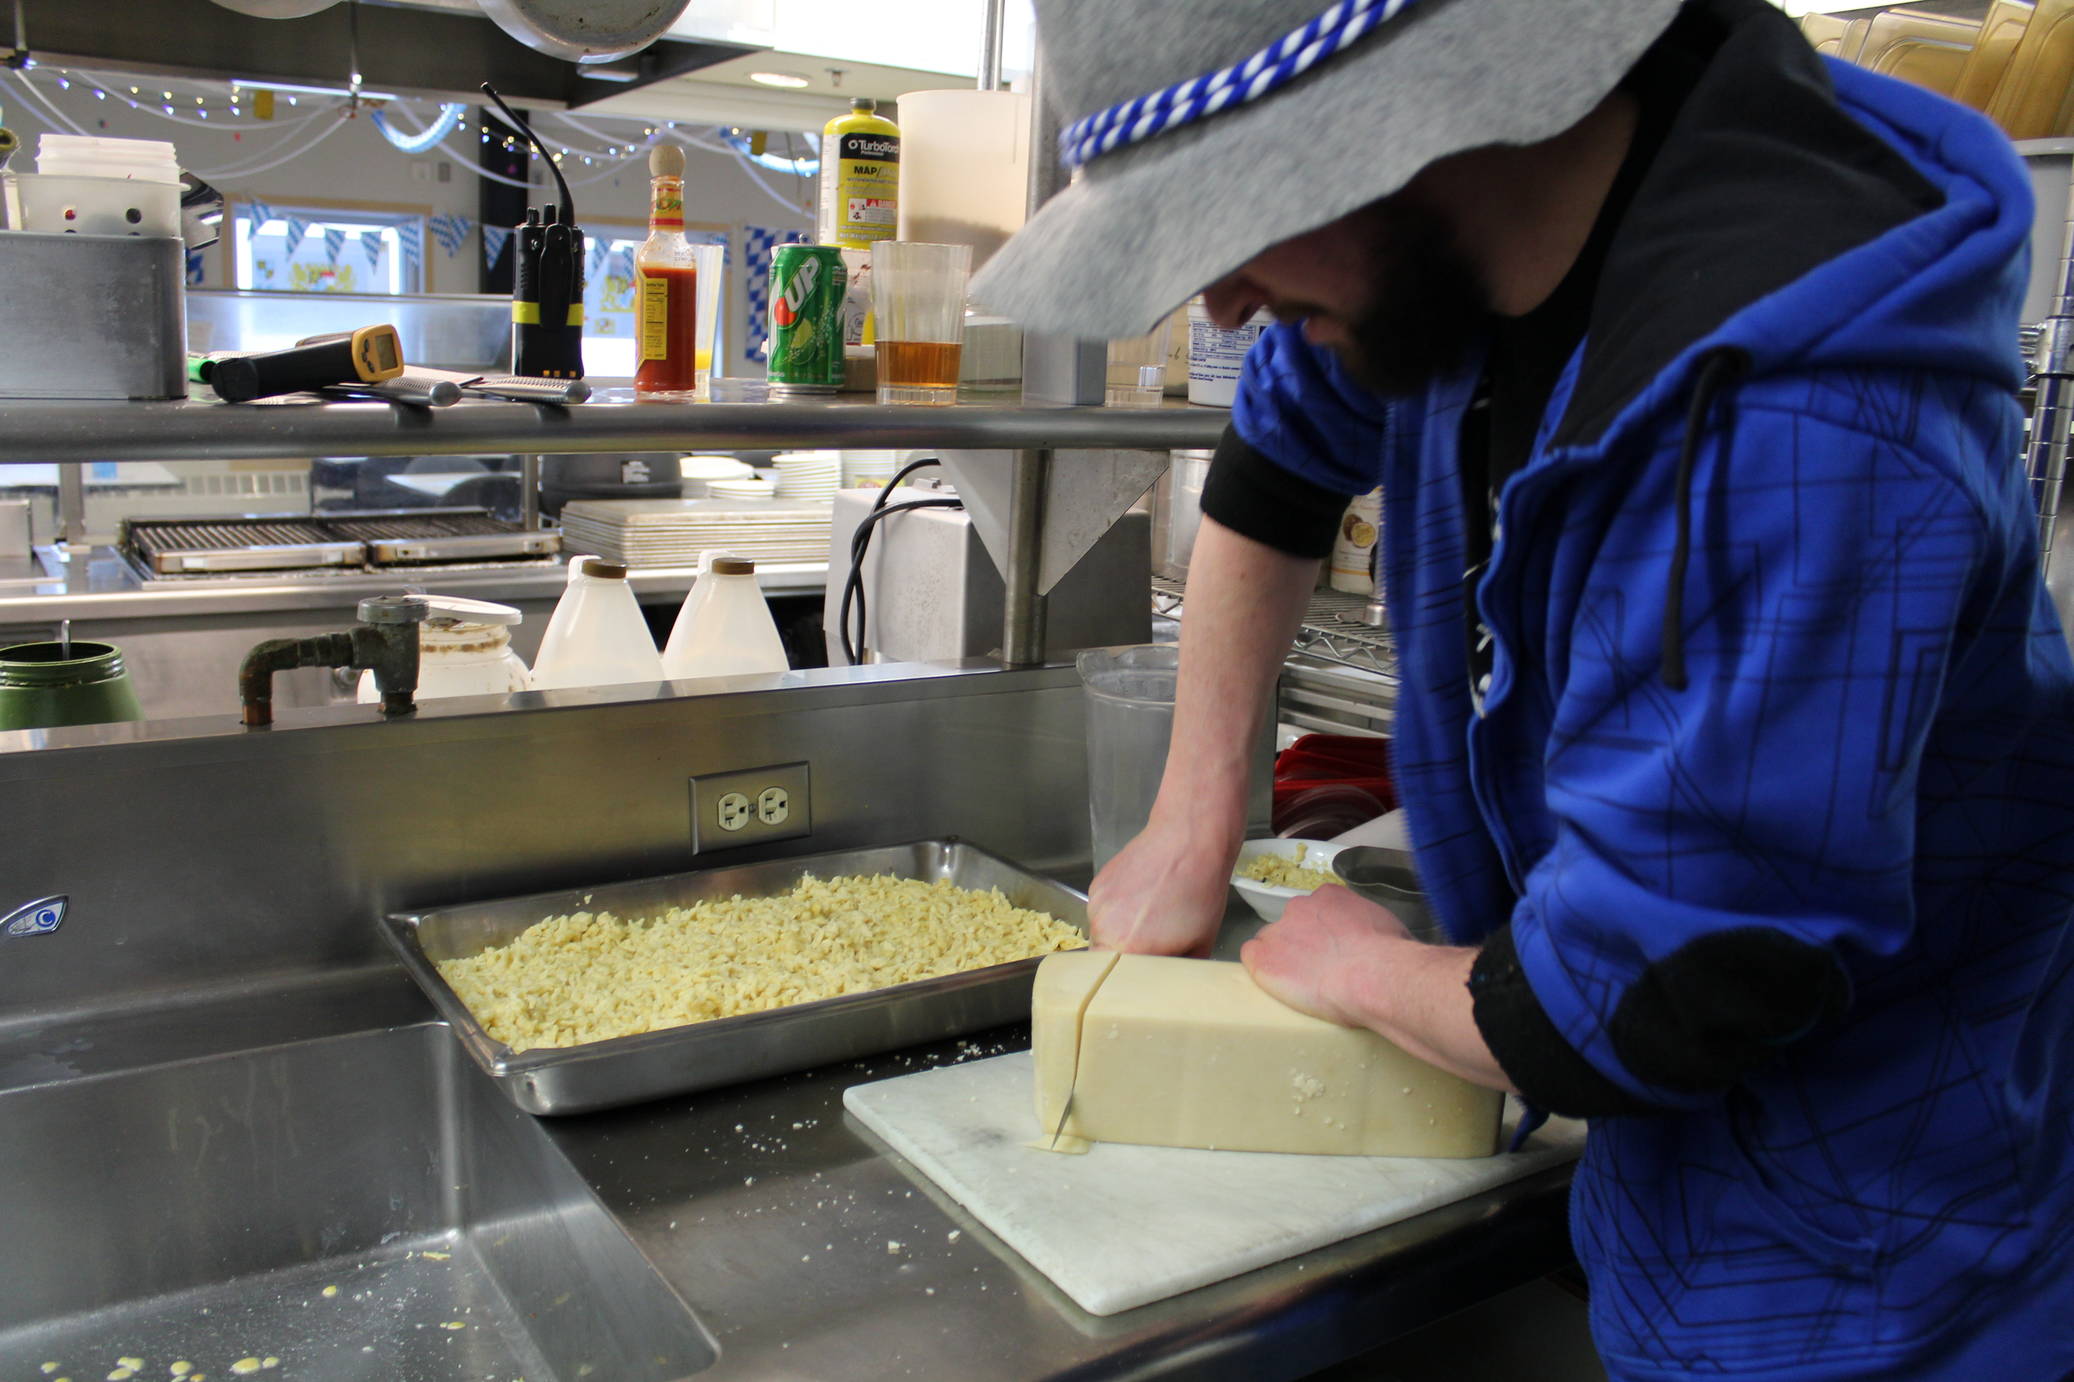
<point x="412" y="238"/>
<point x="334" y="241"/>
<point x="494" y="239"/>
<point x="371" y="246"/>
<point x="298" y="231"/>
<point x="261" y="214"/>
<point x="450" y="231"/>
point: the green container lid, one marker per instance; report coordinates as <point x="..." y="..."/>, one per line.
<point x="43" y="685"/>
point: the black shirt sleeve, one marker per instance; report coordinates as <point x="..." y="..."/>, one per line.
<point x="1696" y="1020"/>
<point x="1254" y="497"/>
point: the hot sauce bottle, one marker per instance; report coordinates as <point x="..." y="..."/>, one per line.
<point x="666" y="280"/>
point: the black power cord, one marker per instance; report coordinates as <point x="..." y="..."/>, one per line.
<point x="860" y="541"/>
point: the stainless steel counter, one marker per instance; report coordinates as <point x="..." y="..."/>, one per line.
<point x="218" y="986"/>
<point x="35" y="431"/>
<point x="763" y="1207"/>
<point x="771" y="1213"/>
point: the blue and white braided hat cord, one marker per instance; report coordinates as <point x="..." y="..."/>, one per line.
<point x="1198" y="98"/>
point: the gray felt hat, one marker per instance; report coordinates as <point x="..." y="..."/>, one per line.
<point x="1144" y="226"/>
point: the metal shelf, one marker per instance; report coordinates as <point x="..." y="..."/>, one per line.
<point x="36" y="431"/>
<point x="1333" y="629"/>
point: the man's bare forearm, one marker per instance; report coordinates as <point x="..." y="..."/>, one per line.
<point x="1245" y="602"/>
<point x="1340" y="957"/>
<point x="1417" y="995"/>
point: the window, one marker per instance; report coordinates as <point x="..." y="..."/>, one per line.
<point x="328" y="250"/>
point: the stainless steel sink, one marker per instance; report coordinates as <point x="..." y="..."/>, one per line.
<point x="359" y="1207"/>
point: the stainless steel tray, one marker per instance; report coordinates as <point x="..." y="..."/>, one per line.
<point x="464" y="547"/>
<point x="729" y="1050"/>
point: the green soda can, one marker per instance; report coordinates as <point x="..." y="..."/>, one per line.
<point x="807" y="283"/>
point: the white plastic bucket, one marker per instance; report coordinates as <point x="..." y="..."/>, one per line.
<point x="82" y="156"/>
<point x="1216" y="355"/>
<point x="55" y="204"/>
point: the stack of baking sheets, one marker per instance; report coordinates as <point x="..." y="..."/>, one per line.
<point x="676" y="532"/>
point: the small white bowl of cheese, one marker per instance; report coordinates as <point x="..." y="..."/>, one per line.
<point x="1270" y="872"/>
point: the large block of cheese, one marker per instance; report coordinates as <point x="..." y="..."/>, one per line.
<point x="1192" y="1053"/>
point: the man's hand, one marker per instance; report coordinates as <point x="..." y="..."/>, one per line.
<point x="1337" y="956"/>
<point x="1321" y="956"/>
<point x="1163" y="895"/>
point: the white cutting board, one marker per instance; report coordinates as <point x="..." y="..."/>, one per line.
<point x="1123" y="1225"/>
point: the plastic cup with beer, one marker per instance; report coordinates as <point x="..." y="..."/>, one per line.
<point x="710" y="259"/>
<point x="918" y="306"/>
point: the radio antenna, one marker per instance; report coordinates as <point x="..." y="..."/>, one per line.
<point x="512" y="118"/>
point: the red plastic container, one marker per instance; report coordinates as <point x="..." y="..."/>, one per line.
<point x="1326" y="784"/>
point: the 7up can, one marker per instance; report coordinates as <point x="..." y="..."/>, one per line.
<point x="806" y="319"/>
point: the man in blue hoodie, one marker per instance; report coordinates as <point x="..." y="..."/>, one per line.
<point x="1735" y="730"/>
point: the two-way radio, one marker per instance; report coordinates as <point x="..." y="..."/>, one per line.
<point x="547" y="289"/>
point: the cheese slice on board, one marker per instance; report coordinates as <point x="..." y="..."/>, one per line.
<point x="1192" y="1053"/>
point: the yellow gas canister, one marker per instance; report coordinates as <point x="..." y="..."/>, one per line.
<point x="860" y="178"/>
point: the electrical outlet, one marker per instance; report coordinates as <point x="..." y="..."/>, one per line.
<point x="749" y="806"/>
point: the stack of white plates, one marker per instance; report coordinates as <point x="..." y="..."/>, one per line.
<point x="699" y="470"/>
<point x="753" y="487"/>
<point x="676" y="532"/>
<point x="808" y="474"/>
<point x="869" y="468"/>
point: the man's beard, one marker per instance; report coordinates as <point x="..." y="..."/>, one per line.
<point x="1428" y="307"/>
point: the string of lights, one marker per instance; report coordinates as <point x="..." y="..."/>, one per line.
<point x="472" y="166"/>
<point x="182" y="108"/>
<point x="439" y="131"/>
<point x="55" y="119"/>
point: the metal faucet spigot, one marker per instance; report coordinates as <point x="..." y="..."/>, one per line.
<point x="384" y="642"/>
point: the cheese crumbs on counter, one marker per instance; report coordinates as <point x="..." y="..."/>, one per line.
<point x="588" y="976"/>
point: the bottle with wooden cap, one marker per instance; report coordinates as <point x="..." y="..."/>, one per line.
<point x="666" y="278"/>
<point x="597" y="636"/>
<point x="724" y="629"/>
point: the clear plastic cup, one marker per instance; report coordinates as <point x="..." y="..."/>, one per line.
<point x="1138" y="370"/>
<point x="1130" y="717"/>
<point x="918" y="308"/>
<point x="711" y="261"/>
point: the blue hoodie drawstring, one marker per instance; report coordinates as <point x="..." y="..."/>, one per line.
<point x="1717" y="369"/>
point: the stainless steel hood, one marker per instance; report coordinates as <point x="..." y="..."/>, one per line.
<point x="407" y="49"/>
